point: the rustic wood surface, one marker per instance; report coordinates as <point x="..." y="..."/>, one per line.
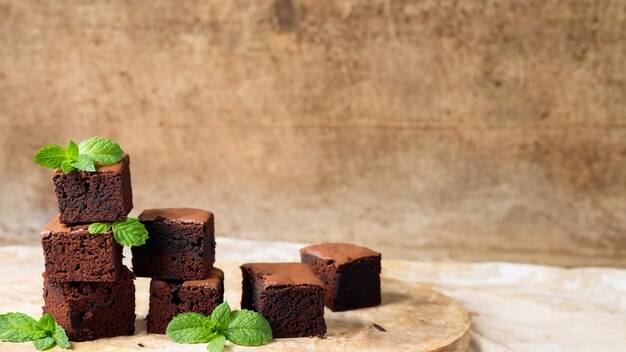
<point x="468" y="130"/>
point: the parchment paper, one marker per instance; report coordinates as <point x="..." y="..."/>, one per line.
<point x="512" y="307"/>
<point x="415" y="317"/>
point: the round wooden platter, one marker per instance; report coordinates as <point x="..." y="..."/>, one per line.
<point x="412" y="317"/>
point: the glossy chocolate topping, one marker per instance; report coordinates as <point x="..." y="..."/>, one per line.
<point x="117" y="167"/>
<point x="340" y="253"/>
<point x="177" y="214"/>
<point x="54" y="225"/>
<point x="216" y="276"/>
<point x="280" y="274"/>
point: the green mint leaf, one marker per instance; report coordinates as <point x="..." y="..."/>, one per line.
<point x="67" y="167"/>
<point x="46" y="322"/>
<point x="60" y="337"/>
<point x="43" y="344"/>
<point x="19" y="327"/>
<point x="101" y="150"/>
<point x="130" y="232"/>
<point x="217" y="344"/>
<point x="71" y="151"/>
<point x="84" y="162"/>
<point x="248" y="328"/>
<point x="190" y="327"/>
<point x="222" y="316"/>
<point x="51" y="156"/>
<point x="99" y="227"/>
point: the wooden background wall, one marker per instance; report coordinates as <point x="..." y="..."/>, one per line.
<point x="470" y="130"/>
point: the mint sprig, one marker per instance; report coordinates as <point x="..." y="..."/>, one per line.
<point x="45" y="333"/>
<point x="83" y="156"/>
<point x="129" y="232"/>
<point x="241" y="327"/>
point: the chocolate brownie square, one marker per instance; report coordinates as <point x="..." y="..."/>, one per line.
<point x="288" y="295"/>
<point x="92" y="310"/>
<point x="170" y="298"/>
<point x="71" y="253"/>
<point x="351" y="274"/>
<point x="103" y="195"/>
<point x="181" y="245"/>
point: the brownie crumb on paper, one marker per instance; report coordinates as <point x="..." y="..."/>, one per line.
<point x="379" y="328"/>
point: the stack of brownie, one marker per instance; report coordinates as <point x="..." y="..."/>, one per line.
<point x="92" y="295"/>
<point x="86" y="288"/>
<point x="178" y="256"/>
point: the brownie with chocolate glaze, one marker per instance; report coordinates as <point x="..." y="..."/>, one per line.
<point x="351" y="274"/>
<point x="103" y="195"/>
<point x="172" y="297"/>
<point x="71" y="253"/>
<point x="92" y="310"/>
<point x="288" y="295"/>
<point x="181" y="245"/>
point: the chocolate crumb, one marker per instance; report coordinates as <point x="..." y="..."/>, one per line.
<point x="379" y="328"/>
<point x="140" y="345"/>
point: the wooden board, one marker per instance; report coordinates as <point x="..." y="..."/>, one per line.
<point x="415" y="317"/>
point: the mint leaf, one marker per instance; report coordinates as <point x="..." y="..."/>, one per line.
<point x="127" y="233"/>
<point x="45" y="343"/>
<point x="222" y="316"/>
<point x="71" y="151"/>
<point x="46" y="322"/>
<point x="190" y="328"/>
<point x="248" y="328"/>
<point x="60" y="337"/>
<point x="130" y="232"/>
<point x="242" y="327"/>
<point x="67" y="167"/>
<point x="99" y="227"/>
<point x="217" y="344"/>
<point x="84" y="162"/>
<point x="101" y="150"/>
<point x="19" y="327"/>
<point x="51" y="156"/>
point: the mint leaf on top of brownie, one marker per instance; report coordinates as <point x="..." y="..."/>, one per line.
<point x="45" y="333"/>
<point x="241" y="327"/>
<point x="101" y="150"/>
<point x="83" y="162"/>
<point x="84" y="156"/>
<point x="51" y="156"/>
<point x="129" y="232"/>
<point x="98" y="228"/>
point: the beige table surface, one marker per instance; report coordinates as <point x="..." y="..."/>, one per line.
<point x="513" y="307"/>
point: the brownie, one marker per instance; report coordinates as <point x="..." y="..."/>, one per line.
<point x="288" y="295"/>
<point x="170" y="298"/>
<point x="181" y="245"/>
<point x="103" y="195"/>
<point x="351" y="274"/>
<point x="71" y="253"/>
<point x="92" y="310"/>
